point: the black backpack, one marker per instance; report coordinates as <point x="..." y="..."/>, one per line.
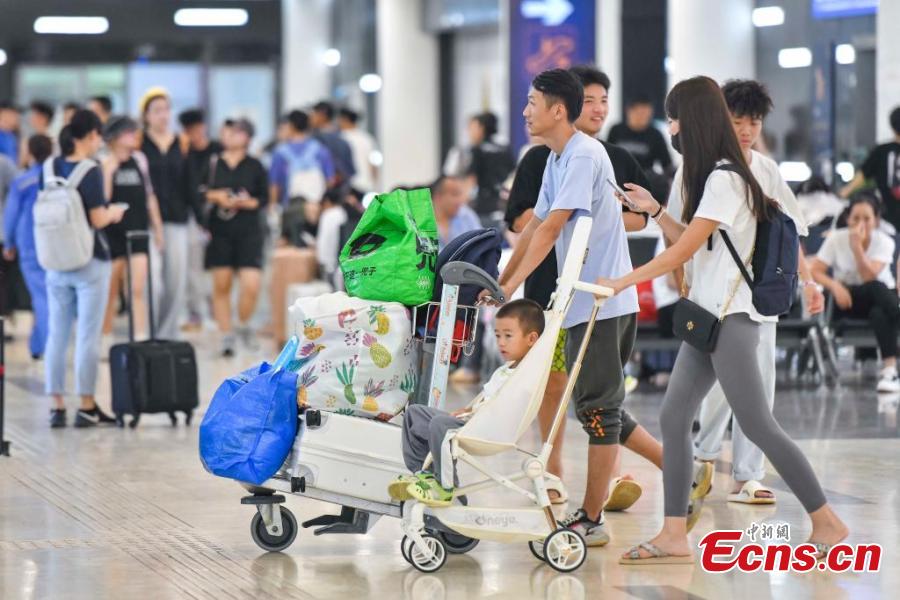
<point x="775" y="256"/>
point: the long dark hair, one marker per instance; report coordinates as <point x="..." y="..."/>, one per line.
<point x="707" y="136"/>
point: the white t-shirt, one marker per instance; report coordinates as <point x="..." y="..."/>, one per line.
<point x="663" y="293"/>
<point x="837" y="254"/>
<point x="362" y="145"/>
<point x="493" y="385"/>
<point x="773" y="185"/>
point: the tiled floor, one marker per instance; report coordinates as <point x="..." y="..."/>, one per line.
<point x="110" y="513"/>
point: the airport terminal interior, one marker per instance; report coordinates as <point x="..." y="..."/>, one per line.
<point x="246" y="351"/>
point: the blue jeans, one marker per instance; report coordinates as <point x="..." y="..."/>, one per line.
<point x="35" y="281"/>
<point x="76" y="296"/>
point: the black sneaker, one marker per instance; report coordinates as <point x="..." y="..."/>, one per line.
<point x="92" y="418"/>
<point x="57" y="418"/>
<point x="593" y="532"/>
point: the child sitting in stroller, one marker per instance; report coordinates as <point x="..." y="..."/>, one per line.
<point x="518" y="326"/>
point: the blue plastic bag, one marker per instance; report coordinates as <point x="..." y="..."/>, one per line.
<point x="250" y="426"/>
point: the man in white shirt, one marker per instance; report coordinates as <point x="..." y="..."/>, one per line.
<point x="363" y="148"/>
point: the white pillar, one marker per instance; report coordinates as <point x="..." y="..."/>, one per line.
<point x="305" y="35"/>
<point x="609" y="55"/>
<point x="408" y="123"/>
<point x="887" y="66"/>
<point x="711" y="38"/>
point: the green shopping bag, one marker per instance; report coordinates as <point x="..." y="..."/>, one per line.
<point x="392" y="253"/>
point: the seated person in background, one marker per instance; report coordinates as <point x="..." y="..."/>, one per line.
<point x="518" y="326"/>
<point x="861" y="281"/>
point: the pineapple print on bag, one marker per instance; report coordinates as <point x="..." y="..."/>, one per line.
<point x="345" y="374"/>
<point x="380" y="355"/>
<point x="331" y="401"/>
<point x="371" y="392"/>
<point x="311" y="329"/>
<point x="409" y="385"/>
<point x="379" y="318"/>
<point x="307" y="378"/>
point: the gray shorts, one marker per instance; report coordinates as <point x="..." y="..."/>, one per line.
<point x="600" y="389"/>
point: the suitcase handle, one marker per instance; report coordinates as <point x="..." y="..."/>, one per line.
<point x="130" y="236"/>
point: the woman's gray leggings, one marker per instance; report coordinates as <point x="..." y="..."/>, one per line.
<point x="735" y="365"/>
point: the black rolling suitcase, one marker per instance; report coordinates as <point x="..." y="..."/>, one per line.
<point x="154" y="376"/>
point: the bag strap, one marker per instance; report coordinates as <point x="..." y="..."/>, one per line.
<point x="737" y="259"/>
<point x="81" y="170"/>
<point x="49" y="174"/>
<point x="213" y="163"/>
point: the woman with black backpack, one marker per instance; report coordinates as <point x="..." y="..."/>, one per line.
<point x="718" y="316"/>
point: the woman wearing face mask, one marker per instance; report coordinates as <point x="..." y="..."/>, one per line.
<point x="166" y="160"/>
<point x="730" y="201"/>
<point x="79" y="296"/>
<point x="860" y="258"/>
<point x="126" y="180"/>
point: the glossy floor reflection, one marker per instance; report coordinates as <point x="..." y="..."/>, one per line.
<point x="109" y="513"/>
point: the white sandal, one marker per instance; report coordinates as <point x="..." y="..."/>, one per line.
<point x="555" y="484"/>
<point x="748" y="492"/>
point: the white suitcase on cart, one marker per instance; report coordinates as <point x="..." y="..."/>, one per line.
<point x="349" y="455"/>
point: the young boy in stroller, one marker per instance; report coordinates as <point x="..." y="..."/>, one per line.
<point x="518" y="326"/>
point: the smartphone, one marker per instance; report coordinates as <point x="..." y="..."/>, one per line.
<point x="122" y="205"/>
<point x="624" y="195"/>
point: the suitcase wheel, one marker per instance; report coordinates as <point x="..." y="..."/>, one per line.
<point x="188" y="416"/>
<point x="173" y="419"/>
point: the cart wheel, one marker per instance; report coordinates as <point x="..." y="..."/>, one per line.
<point x="424" y="562"/>
<point x="456" y="543"/>
<point x="274" y="543"/>
<point x="405" y="545"/>
<point x="565" y="550"/>
<point x="173" y="418"/>
<point x="537" y="549"/>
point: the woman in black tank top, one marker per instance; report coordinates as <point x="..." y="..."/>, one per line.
<point x="126" y="180"/>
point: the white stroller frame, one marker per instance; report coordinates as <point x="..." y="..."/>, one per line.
<point x="484" y="434"/>
<point x="349" y="461"/>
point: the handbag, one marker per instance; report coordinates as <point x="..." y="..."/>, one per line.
<point x="693" y="324"/>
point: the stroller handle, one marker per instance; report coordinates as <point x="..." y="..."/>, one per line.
<point x="597" y="290"/>
<point x="463" y="273"/>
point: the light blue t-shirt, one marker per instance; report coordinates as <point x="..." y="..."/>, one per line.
<point x="576" y="180"/>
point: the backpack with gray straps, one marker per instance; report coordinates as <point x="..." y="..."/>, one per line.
<point x="63" y="237"/>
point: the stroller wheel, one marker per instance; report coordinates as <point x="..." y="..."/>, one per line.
<point x="565" y="550"/>
<point x="456" y="543"/>
<point x="537" y="549"/>
<point x="274" y="543"/>
<point x="405" y="545"/>
<point x="431" y="561"/>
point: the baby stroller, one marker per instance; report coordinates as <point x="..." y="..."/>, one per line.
<point x="350" y="461"/>
<point x="490" y="431"/>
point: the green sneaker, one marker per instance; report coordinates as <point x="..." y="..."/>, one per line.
<point x="429" y="491"/>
